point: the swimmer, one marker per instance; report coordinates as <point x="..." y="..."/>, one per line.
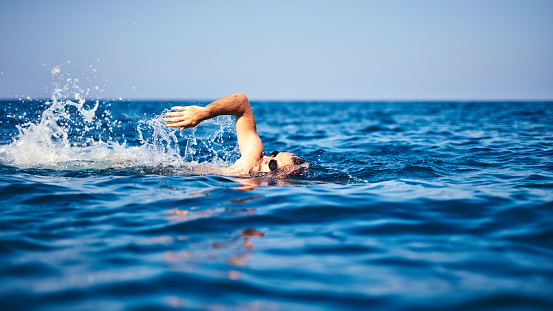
<point x="252" y="155"/>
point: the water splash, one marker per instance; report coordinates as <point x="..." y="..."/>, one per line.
<point x="75" y="132"/>
<point x="161" y="147"/>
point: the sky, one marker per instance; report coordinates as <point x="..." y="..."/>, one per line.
<point x="281" y="50"/>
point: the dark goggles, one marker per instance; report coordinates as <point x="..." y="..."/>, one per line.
<point x="273" y="163"/>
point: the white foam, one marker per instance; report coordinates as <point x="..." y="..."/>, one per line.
<point x="65" y="136"/>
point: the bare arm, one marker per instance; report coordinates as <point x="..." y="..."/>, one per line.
<point x="251" y="148"/>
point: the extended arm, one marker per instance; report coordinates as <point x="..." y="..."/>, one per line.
<point x="251" y="148"/>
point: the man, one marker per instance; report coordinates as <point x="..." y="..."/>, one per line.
<point x="253" y="159"/>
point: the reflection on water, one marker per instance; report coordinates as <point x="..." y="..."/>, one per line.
<point x="249" y="184"/>
<point x="237" y="248"/>
<point x="245" y="200"/>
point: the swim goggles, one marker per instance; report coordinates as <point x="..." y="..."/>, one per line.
<point x="273" y="163"/>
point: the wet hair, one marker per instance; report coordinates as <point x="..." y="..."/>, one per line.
<point x="298" y="161"/>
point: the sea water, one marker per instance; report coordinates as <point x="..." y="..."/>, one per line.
<point x="405" y="206"/>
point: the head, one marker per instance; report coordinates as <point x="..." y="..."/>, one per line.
<point x="278" y="163"/>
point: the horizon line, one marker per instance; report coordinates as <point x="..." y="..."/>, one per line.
<point x="121" y="99"/>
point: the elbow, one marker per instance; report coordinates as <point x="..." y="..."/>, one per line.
<point x="242" y="101"/>
<point x="240" y="97"/>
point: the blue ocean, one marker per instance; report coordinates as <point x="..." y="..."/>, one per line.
<point x="405" y="206"/>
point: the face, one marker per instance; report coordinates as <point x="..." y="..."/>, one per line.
<point x="282" y="160"/>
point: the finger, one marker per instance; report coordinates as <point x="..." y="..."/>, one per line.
<point x="174" y="119"/>
<point x="174" y="124"/>
<point x="178" y="108"/>
<point x="180" y="124"/>
<point x="174" y="114"/>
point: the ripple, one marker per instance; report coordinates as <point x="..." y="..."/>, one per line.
<point x="405" y="206"/>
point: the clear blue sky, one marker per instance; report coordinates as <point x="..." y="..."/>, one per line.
<point x="329" y="50"/>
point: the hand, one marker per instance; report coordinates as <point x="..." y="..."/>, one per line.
<point x="187" y="117"/>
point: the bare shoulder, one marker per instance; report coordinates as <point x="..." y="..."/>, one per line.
<point x="241" y="167"/>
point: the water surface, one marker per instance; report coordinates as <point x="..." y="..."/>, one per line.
<point x="406" y="206"/>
